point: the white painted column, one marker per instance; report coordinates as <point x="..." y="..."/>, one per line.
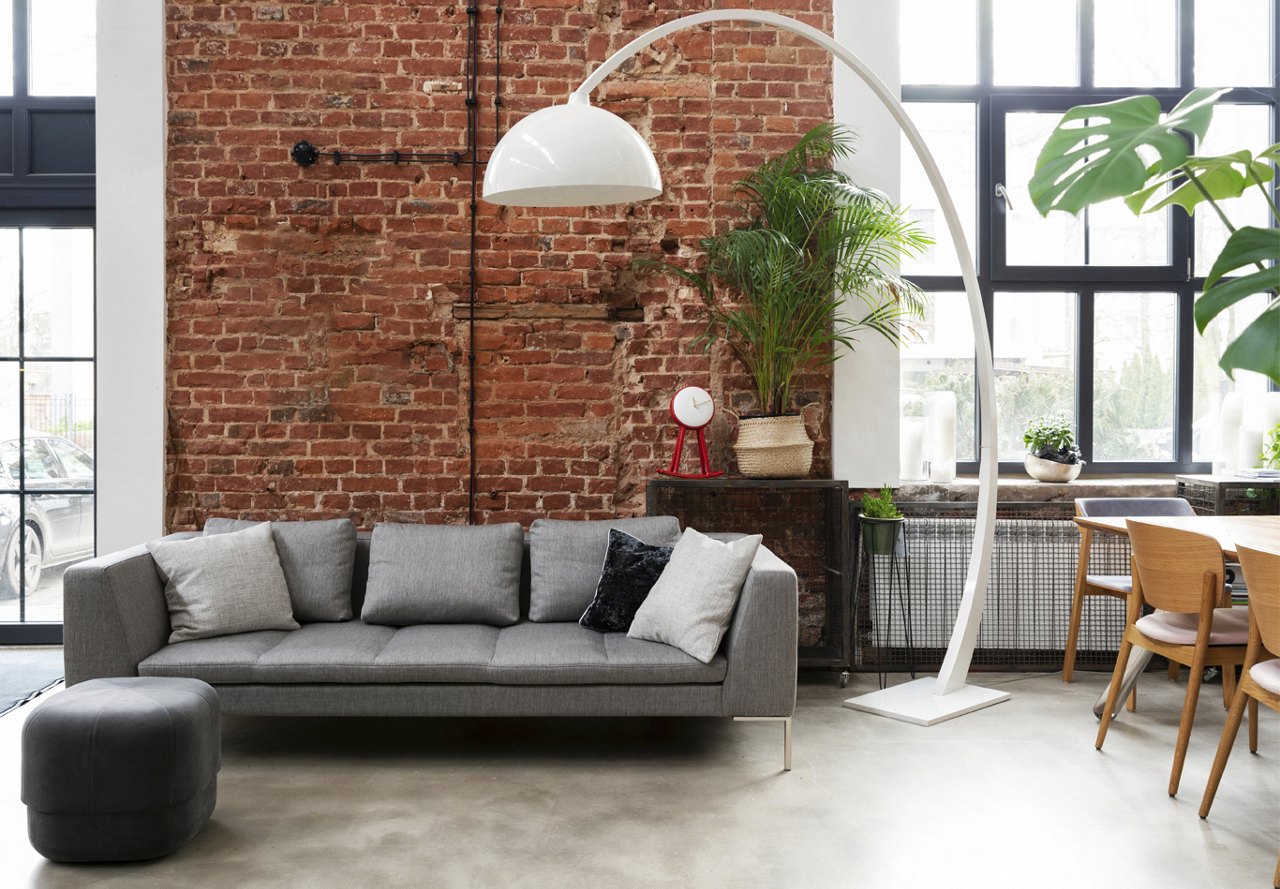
<point x="131" y="104"/>
<point x="864" y="427"/>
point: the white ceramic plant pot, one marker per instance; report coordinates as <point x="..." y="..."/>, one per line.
<point x="1043" y="470"/>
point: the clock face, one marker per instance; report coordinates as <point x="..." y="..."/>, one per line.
<point x="692" y="407"/>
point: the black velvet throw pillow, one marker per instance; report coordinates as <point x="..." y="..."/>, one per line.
<point x="631" y="568"/>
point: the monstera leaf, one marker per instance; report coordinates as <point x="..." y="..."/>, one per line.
<point x="1247" y="252"/>
<point x="1204" y="178"/>
<point x="1114" y="149"/>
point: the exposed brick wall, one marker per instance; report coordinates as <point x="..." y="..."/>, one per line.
<point x="316" y="335"/>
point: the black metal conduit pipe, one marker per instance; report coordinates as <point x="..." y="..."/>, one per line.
<point x="305" y="154"/>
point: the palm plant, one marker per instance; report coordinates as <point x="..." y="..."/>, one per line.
<point x="775" y="287"/>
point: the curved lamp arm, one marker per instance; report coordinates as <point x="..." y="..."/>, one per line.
<point x="964" y="635"/>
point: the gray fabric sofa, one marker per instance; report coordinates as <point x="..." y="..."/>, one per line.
<point x="117" y="624"/>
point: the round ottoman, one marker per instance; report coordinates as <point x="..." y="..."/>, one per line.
<point x="121" y="769"/>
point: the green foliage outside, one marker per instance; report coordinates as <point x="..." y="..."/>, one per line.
<point x="1270" y="456"/>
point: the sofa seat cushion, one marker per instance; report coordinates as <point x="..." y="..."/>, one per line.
<point x="354" y="652"/>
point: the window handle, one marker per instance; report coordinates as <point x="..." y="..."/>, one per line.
<point x="1003" y="193"/>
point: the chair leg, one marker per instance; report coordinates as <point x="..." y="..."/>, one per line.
<point x="1275" y="881"/>
<point x="1228" y="685"/>
<point x="1133" y="700"/>
<point x="1253" y="725"/>
<point x="1174" y="667"/>
<point x="1113" y="696"/>
<point x="1073" y="634"/>
<point x="1188" y="719"/>
<point x="1229" y="732"/>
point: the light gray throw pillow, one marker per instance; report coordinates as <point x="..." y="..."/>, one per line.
<point x="223" y="584"/>
<point x="691" y="604"/>
<point x="318" y="558"/>
<point x="566" y="558"/>
<point x="444" y="574"/>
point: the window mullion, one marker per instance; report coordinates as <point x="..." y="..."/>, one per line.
<point x="1085" y="13"/>
<point x="1084" y="372"/>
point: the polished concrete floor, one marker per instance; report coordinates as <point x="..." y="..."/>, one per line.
<point x="1012" y="796"/>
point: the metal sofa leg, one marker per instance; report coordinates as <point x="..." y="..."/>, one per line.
<point x="786" y="734"/>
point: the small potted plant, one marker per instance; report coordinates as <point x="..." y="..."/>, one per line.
<point x="881" y="521"/>
<point x="1052" y="454"/>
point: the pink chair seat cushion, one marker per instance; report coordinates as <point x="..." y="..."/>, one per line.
<point x="1230" y="627"/>
<point x="1267" y="674"/>
<point x="1121" y="583"/>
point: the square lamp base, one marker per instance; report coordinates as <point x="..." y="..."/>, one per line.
<point x="916" y="703"/>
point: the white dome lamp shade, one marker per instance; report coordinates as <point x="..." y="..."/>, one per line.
<point x="573" y="155"/>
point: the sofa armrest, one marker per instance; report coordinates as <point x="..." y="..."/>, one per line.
<point x="114" y="614"/>
<point x="761" y="642"/>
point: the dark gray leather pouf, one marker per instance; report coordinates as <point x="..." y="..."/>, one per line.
<point x="121" y="769"/>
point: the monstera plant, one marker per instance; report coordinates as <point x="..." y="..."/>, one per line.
<point x="1130" y="149"/>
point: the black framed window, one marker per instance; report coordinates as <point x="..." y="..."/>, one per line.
<point x="47" y="386"/>
<point x="1089" y="317"/>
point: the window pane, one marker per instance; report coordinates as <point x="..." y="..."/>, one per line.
<point x="6" y="49"/>
<point x="1036" y="43"/>
<point x="58" y="295"/>
<point x="9" y="251"/>
<point x="1035" y="358"/>
<point x="1233" y="127"/>
<point x="1134" y="43"/>
<point x="1232" y="43"/>
<point x="949" y="131"/>
<point x="941" y="360"/>
<point x="1115" y="236"/>
<point x="1056" y="239"/>
<point x="59" y="407"/>
<point x="1104" y="234"/>
<point x="1212" y="383"/>
<point x="1133" y="375"/>
<point x="63" y="48"/>
<point x="939" y="41"/>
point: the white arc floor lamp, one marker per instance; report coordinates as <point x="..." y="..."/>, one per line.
<point x="578" y="155"/>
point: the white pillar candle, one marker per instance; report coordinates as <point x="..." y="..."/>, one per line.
<point x="942" y="472"/>
<point x="1249" y="448"/>
<point x="911" y="449"/>
<point x="942" y="411"/>
<point x="1229" y="417"/>
<point x="1270" y="411"/>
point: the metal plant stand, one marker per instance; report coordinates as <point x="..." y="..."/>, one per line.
<point x="889" y="575"/>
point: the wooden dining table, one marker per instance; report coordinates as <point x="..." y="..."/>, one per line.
<point x="1258" y="532"/>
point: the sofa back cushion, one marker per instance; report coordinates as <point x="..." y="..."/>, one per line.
<point x="565" y="560"/>
<point x="318" y="558"/>
<point x="444" y="574"/>
<point x="224" y="584"/>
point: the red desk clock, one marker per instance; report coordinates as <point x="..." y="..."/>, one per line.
<point x="691" y="408"/>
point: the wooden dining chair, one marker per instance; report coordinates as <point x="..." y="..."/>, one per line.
<point x="1180" y="574"/>
<point x="1117" y="586"/>
<point x="1260" y="680"/>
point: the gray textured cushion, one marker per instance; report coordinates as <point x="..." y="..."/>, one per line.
<point x="691" y="604"/>
<point x="444" y="574"/>
<point x="317" y="558"/>
<point x="565" y="559"/>
<point x="227" y="583"/>
<point x="353" y="652"/>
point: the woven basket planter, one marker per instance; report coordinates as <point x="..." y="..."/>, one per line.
<point x="773" y="447"/>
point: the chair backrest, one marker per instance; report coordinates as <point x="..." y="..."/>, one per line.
<point x="1172" y="564"/>
<point x="1262" y="574"/>
<point x="1137" y="506"/>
